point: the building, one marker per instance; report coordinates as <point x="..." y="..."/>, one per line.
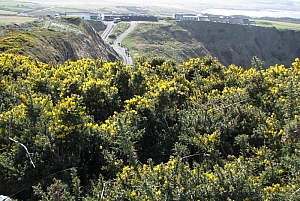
<point x="83" y="15"/>
<point x="95" y="16"/>
<point x="190" y="17"/>
<point x="129" y="17"/>
<point x="219" y="19"/>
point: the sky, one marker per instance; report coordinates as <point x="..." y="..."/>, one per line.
<point x="256" y="8"/>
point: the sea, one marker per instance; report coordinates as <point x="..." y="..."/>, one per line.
<point x="254" y="13"/>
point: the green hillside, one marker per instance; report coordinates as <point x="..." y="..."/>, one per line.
<point x="230" y="43"/>
<point x="278" y="24"/>
<point x="65" y="39"/>
<point x="97" y="130"/>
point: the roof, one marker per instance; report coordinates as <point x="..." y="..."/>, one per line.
<point x="78" y="13"/>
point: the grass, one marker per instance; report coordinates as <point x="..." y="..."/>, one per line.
<point x="63" y="10"/>
<point x="118" y="30"/>
<point x="278" y="25"/>
<point x="15" y="19"/>
<point x="155" y="39"/>
<point x="7" y="12"/>
<point x="15" y="6"/>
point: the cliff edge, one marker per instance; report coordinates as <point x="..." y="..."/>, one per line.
<point x="65" y="39"/>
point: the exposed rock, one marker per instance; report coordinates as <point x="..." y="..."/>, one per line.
<point x="4" y="198"/>
<point x="67" y="39"/>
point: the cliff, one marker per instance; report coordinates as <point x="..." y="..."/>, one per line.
<point x="65" y="39"/>
<point x="238" y="44"/>
<point x="230" y="43"/>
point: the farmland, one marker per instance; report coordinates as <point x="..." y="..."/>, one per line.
<point x="15" y="19"/>
<point x="278" y="24"/>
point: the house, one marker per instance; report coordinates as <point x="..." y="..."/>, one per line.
<point x="236" y="21"/>
<point x="83" y="15"/>
<point x="253" y="23"/>
<point x="95" y="16"/>
<point x="219" y="19"/>
<point x="190" y="17"/>
<point x="129" y="17"/>
<point x="181" y="17"/>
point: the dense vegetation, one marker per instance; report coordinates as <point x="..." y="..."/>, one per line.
<point x="97" y="130"/>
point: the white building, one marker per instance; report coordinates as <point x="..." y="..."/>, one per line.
<point x="83" y="15"/>
<point x="190" y="17"/>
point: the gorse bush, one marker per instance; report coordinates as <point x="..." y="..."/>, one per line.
<point x="98" y="130"/>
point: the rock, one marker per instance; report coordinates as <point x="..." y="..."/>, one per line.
<point x="4" y="198"/>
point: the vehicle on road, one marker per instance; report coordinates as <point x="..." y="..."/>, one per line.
<point x="117" y="20"/>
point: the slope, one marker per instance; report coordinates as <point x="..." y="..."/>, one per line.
<point x="229" y="43"/>
<point x="66" y="39"/>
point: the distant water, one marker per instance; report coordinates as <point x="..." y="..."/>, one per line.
<point x="254" y="13"/>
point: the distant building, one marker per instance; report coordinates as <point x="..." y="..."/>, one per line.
<point x="83" y="15"/>
<point x="253" y="23"/>
<point x="184" y="17"/>
<point x="95" y="16"/>
<point x="220" y="19"/>
<point x="129" y="17"/>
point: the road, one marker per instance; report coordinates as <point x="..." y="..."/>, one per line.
<point x="118" y="45"/>
<point x="47" y="24"/>
<point x="107" y="31"/>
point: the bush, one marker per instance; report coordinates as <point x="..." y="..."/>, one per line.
<point x="154" y="130"/>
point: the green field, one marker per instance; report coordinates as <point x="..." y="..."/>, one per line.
<point x="277" y="24"/>
<point x="15" y="19"/>
<point x="63" y="10"/>
<point x="6" y="12"/>
<point x="152" y="39"/>
<point x="16" y="6"/>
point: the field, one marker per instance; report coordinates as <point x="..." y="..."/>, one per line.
<point x="6" y="12"/>
<point x="17" y="6"/>
<point x="63" y="10"/>
<point x="15" y="19"/>
<point x="278" y="25"/>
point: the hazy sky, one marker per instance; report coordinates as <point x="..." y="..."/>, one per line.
<point x="278" y="8"/>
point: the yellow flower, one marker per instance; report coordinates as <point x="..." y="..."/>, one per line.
<point x="283" y="189"/>
<point x="259" y="154"/>
<point x="100" y="147"/>
<point x="133" y="193"/>
<point x="157" y="168"/>
<point x="212" y="137"/>
<point x="158" y="192"/>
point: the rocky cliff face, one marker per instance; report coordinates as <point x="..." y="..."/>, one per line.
<point x="66" y="39"/>
<point x="238" y="44"/>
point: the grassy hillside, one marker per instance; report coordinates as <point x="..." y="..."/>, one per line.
<point x="230" y="43"/>
<point x="163" y="39"/>
<point x="278" y="24"/>
<point x="65" y="39"/>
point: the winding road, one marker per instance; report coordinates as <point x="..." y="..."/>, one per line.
<point x="107" y="31"/>
<point x="117" y="44"/>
